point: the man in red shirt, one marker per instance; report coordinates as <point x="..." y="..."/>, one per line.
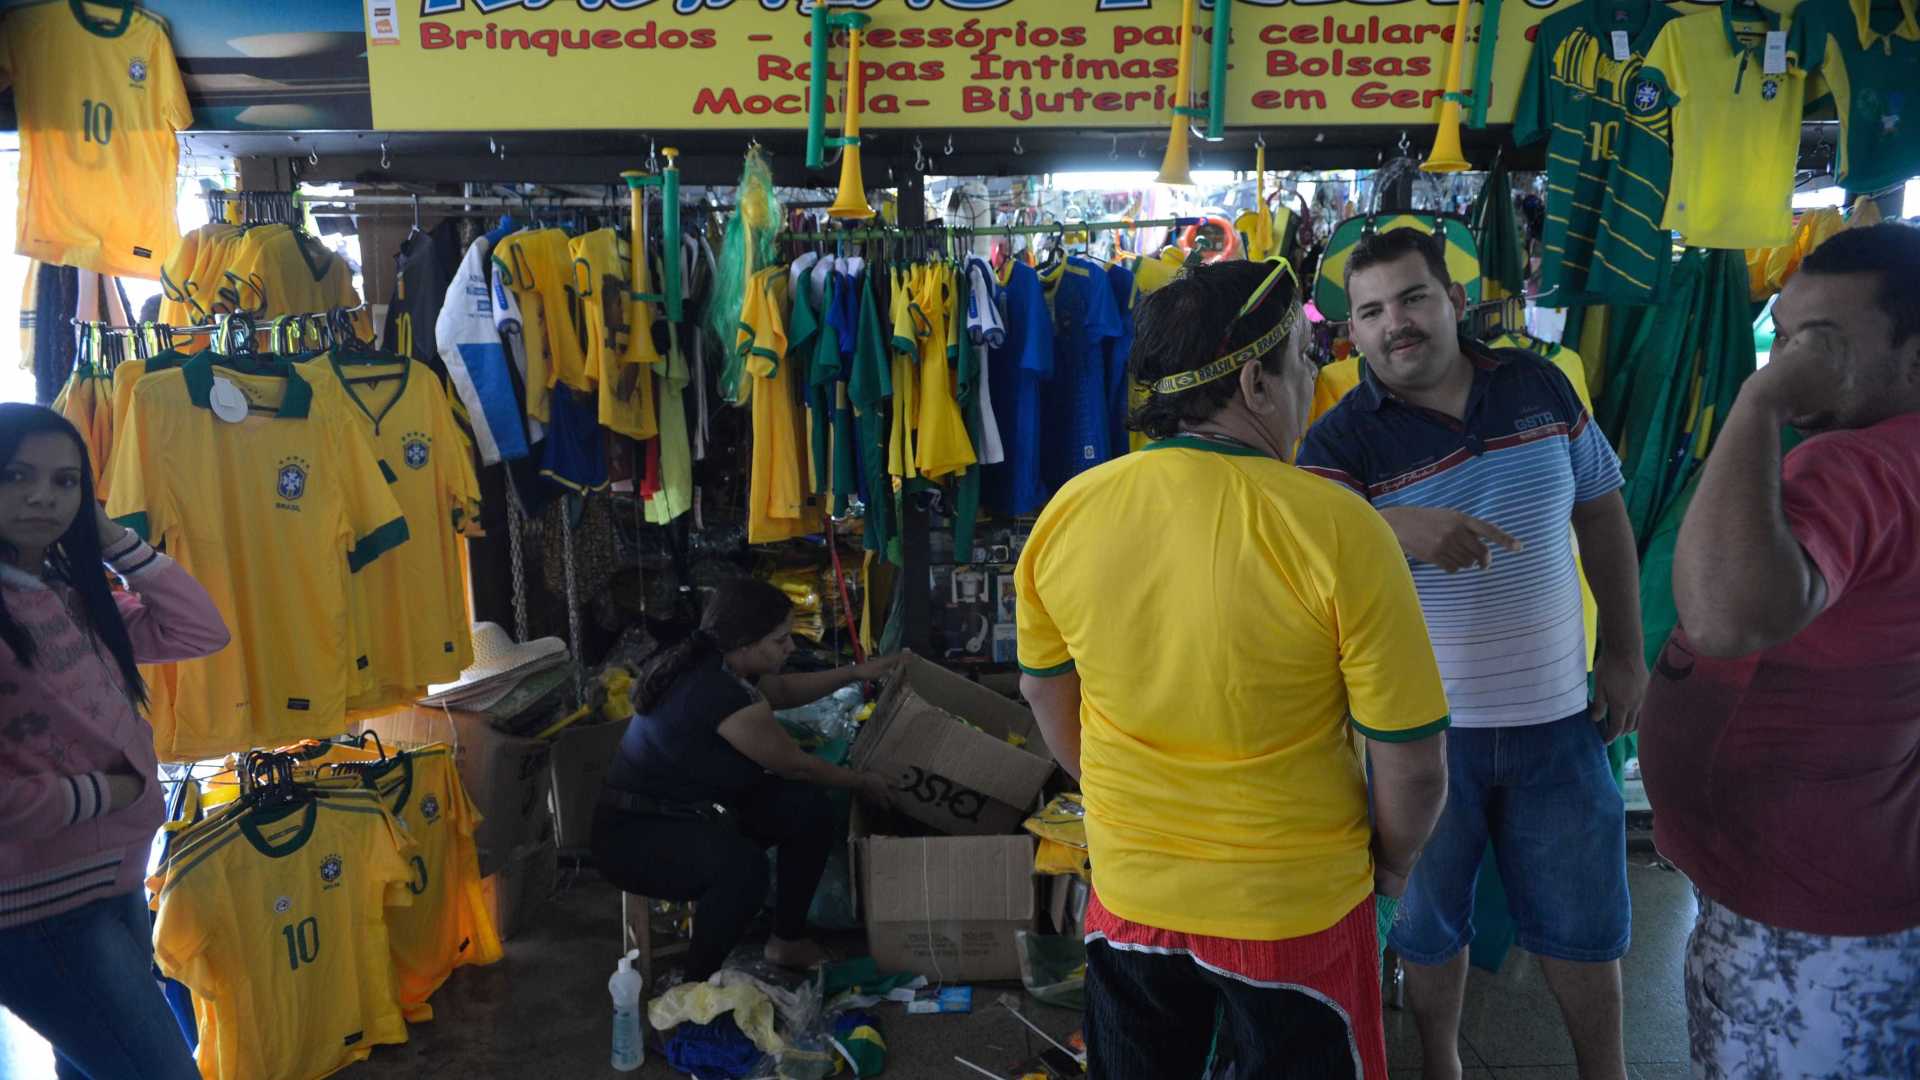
<point x="1781" y="736"/>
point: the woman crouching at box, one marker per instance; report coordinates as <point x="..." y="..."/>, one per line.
<point x="706" y="780"/>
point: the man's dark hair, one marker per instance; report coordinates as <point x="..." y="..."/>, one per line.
<point x="1179" y="328"/>
<point x="1395" y="244"/>
<point x="1891" y="252"/>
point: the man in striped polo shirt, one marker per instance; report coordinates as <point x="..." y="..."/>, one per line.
<point x="1479" y="459"/>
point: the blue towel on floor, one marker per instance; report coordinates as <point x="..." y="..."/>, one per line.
<point x="713" y="1051"/>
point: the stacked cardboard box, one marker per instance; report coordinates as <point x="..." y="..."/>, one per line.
<point x="967" y="766"/>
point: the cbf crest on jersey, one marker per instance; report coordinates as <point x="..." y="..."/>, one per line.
<point x="330" y="869"/>
<point x="430" y="809"/>
<point x="1646" y="96"/>
<point x="416" y="449"/>
<point x="290" y="483"/>
<point x="137" y="70"/>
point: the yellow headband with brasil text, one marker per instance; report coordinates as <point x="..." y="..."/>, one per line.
<point x="1239" y="358"/>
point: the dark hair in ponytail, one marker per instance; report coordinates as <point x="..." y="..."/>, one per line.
<point x="739" y="613"/>
<point x="74" y="558"/>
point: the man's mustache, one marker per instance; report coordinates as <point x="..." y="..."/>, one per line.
<point x="1410" y="337"/>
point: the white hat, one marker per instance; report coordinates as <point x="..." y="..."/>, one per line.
<point x="499" y="665"/>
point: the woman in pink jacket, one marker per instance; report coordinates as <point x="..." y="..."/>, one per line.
<point x="80" y="797"/>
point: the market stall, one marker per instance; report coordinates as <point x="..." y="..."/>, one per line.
<point x="588" y="310"/>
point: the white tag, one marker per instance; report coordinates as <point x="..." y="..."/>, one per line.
<point x="229" y="404"/>
<point x="383" y="22"/>
<point x="1775" y="62"/>
<point x="1622" y="45"/>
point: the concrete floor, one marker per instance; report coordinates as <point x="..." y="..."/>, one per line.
<point x="541" y="1012"/>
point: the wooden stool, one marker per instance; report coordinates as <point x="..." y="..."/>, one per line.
<point x="636" y="932"/>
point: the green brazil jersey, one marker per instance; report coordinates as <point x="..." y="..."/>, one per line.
<point x="1577" y="95"/>
<point x="1872" y="69"/>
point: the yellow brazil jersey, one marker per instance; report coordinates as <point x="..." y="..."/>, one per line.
<point x="191" y="281"/>
<point x="620" y="350"/>
<point x="1220" y="668"/>
<point x="539" y="267"/>
<point x="273" y="515"/>
<point x="943" y="447"/>
<point x="447" y="926"/>
<point x="277" y="920"/>
<point x="523" y="265"/>
<point x="1736" y="127"/>
<point x="778" y="506"/>
<point x="410" y="607"/>
<point x="99" y="99"/>
<point x="908" y="327"/>
<point x="278" y="270"/>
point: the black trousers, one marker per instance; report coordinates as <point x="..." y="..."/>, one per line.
<point x="722" y="864"/>
<point x="1153" y="1016"/>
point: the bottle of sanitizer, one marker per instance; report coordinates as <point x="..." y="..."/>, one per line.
<point x="629" y="1050"/>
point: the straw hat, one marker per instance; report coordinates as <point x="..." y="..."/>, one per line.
<point x="499" y="663"/>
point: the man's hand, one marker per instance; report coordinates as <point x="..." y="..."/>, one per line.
<point x="111" y="531"/>
<point x="1805" y="380"/>
<point x="1447" y="539"/>
<point x="1619" y="689"/>
<point x="1388" y="882"/>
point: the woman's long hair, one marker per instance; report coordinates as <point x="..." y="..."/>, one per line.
<point x="740" y="613"/>
<point x="74" y="558"/>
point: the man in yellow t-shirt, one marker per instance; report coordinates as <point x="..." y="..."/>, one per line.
<point x="1199" y="625"/>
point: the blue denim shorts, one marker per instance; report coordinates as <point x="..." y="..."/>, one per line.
<point x="1544" y="795"/>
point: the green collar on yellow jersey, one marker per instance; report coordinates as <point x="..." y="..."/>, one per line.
<point x="1747" y="13"/>
<point x="295" y="405"/>
<point x="102" y="27"/>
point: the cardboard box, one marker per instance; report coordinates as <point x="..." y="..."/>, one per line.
<point x="507" y="777"/>
<point x="946" y="907"/>
<point x="519" y="890"/>
<point x="961" y="780"/>
<point x="582" y="754"/>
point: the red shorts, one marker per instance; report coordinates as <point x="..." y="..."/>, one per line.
<point x="1339" y="965"/>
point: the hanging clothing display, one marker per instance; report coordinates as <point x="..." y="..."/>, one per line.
<point x="447" y="926"/>
<point x="1086" y="319"/>
<point x="1019" y="367"/>
<point x="1582" y="90"/>
<point x="423" y="269"/>
<point x="427" y="636"/>
<point x="275" y="916"/>
<point x="1869" y="60"/>
<point x="475" y="356"/>
<point x="99" y="98"/>
<point x="265" y="271"/>
<point x="1736" y="122"/>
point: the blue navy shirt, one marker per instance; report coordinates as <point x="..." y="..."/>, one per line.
<point x="1509" y="639"/>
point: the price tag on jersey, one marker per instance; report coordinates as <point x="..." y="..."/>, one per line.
<point x="1622" y="46"/>
<point x="228" y="403"/>
<point x="1775" y="61"/>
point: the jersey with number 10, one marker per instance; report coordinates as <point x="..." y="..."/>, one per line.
<point x="277" y="921"/>
<point x="1603" y="237"/>
<point x="99" y="97"/>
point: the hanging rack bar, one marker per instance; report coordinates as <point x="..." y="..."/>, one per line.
<point x="1047" y="229"/>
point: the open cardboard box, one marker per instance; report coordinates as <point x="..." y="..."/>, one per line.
<point x="946" y="907"/>
<point x="961" y="780"/>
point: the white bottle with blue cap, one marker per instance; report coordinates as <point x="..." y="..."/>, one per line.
<point x="629" y="1049"/>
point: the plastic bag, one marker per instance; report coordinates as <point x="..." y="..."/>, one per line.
<point x="1053" y="968"/>
<point x="830" y="718"/>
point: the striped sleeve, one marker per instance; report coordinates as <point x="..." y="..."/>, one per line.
<point x="48" y="802"/>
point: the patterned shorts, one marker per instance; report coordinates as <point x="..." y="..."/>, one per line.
<point x="1770" y="1004"/>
